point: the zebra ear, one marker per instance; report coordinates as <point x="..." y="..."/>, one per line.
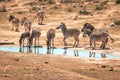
<point x="57" y="28"/>
<point x="62" y="23"/>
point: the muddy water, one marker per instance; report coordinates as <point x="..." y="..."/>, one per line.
<point x="57" y="51"/>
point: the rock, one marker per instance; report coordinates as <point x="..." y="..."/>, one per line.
<point x="103" y="66"/>
<point x="110" y="69"/>
<point x="46" y="62"/>
<point x="16" y="59"/>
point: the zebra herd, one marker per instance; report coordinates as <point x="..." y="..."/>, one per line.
<point x="93" y="33"/>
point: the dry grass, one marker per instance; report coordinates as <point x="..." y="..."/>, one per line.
<point x="48" y="67"/>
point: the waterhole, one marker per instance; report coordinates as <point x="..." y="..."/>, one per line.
<point x="58" y="51"/>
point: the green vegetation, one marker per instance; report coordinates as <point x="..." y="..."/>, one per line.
<point x="66" y="1"/>
<point x="3" y="8"/>
<point x="51" y="2"/>
<point x="117" y="22"/>
<point x="99" y="7"/>
<point x="84" y="12"/>
<point x="117" y="1"/>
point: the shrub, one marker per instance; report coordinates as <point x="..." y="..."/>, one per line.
<point x="117" y="1"/>
<point x="66" y="1"/>
<point x="88" y="0"/>
<point x="2" y="0"/>
<point x="84" y="12"/>
<point x="51" y="2"/>
<point x="99" y="7"/>
<point x="3" y="8"/>
<point x="20" y="12"/>
<point x="117" y="22"/>
<point x="55" y="7"/>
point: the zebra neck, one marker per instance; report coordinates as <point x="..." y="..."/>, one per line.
<point x="64" y="30"/>
<point x="89" y="34"/>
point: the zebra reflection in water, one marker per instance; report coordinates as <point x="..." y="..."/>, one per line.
<point x="93" y="54"/>
<point x="74" y="51"/>
<point x="23" y="49"/>
<point x="50" y="50"/>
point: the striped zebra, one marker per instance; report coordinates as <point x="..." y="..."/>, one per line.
<point x="15" y="22"/>
<point x="26" y="23"/>
<point x="69" y="33"/>
<point x="40" y="16"/>
<point x="23" y="37"/>
<point x="50" y="38"/>
<point x="96" y="35"/>
<point x="36" y="35"/>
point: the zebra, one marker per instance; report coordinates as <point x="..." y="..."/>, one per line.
<point x="69" y="33"/>
<point x="15" y="22"/>
<point x="40" y="16"/>
<point x="23" y="36"/>
<point x="35" y="34"/>
<point x="50" y="37"/>
<point x="96" y="35"/>
<point x="27" y="24"/>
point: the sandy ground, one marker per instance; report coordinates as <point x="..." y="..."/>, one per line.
<point x="30" y="66"/>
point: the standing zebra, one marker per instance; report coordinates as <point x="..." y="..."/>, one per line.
<point x="23" y="36"/>
<point x="40" y="16"/>
<point x="27" y="24"/>
<point x="15" y="22"/>
<point x="50" y="37"/>
<point x="96" y="35"/>
<point x="35" y="34"/>
<point x="69" y="33"/>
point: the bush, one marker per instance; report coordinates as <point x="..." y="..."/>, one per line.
<point x="3" y="8"/>
<point x="51" y="2"/>
<point x="117" y="1"/>
<point x="99" y="7"/>
<point x="55" y="7"/>
<point x="66" y="1"/>
<point x="117" y="22"/>
<point x="84" y="12"/>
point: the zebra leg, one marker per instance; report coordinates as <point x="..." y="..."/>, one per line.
<point x="53" y="43"/>
<point x="23" y="42"/>
<point x="35" y="42"/>
<point x="94" y="45"/>
<point x="16" y="26"/>
<point x="26" y="28"/>
<point x="64" y="41"/>
<point x="38" y="41"/>
<point x="29" y="28"/>
<point x="104" y="44"/>
<point x="42" y="18"/>
<point x="39" y="21"/>
<point x="28" y="41"/>
<point x="12" y="26"/>
<point x="75" y="42"/>
<point x="90" y="43"/>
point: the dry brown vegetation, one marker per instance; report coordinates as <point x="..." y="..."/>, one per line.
<point x="50" y="67"/>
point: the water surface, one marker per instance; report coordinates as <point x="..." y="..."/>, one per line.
<point x="58" y="51"/>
